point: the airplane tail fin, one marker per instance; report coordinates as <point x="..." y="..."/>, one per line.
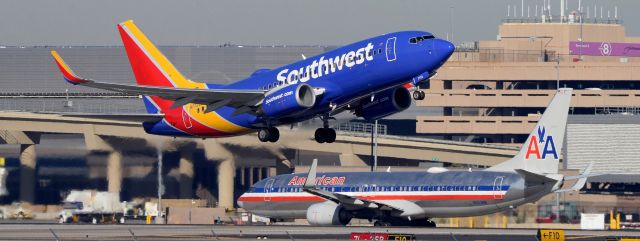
<point x="151" y="67"/>
<point x="540" y="153"/>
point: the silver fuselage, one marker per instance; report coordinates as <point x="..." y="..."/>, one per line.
<point x="445" y="194"/>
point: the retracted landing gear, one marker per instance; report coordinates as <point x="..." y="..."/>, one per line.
<point x="418" y="95"/>
<point x="325" y="134"/>
<point x="270" y="134"/>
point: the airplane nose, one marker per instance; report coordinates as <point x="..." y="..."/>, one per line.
<point x="443" y="48"/>
<point x="240" y="203"/>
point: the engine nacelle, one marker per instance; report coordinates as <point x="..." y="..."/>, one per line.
<point x="327" y="213"/>
<point x="384" y="104"/>
<point x="288" y="100"/>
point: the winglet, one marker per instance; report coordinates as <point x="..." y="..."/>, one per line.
<point x="67" y="73"/>
<point x="311" y="176"/>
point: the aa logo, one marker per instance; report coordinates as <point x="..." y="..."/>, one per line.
<point x="539" y="140"/>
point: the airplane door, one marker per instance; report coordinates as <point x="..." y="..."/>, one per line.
<point x="497" y="188"/>
<point x="391" y="49"/>
<point x="186" y="118"/>
<point x="267" y="190"/>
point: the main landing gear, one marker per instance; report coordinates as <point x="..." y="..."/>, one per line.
<point x="325" y="134"/>
<point x="418" y="95"/>
<point x="270" y="134"/>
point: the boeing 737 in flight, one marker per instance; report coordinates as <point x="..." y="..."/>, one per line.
<point x="412" y="198"/>
<point x="368" y="77"/>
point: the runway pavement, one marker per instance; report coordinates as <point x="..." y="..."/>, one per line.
<point x="208" y="232"/>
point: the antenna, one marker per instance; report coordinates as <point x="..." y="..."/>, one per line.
<point x="528" y="15"/>
<point x="535" y="13"/>
<point x="615" y="12"/>
<point x="588" y="11"/>
<point x="522" y="8"/>
<point x="508" y="10"/>
<point x="549" y="9"/>
<point x="600" y="11"/>
<point x="580" y="6"/>
<point x="561" y="10"/>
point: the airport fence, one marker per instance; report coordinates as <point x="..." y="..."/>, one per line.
<point x="360" y="128"/>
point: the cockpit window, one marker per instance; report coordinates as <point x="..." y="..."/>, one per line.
<point x="420" y="39"/>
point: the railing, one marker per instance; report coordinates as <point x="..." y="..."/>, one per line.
<point x="624" y="110"/>
<point x="360" y="128"/>
<point x="556" y="19"/>
<point x="62" y="106"/>
<point x="516" y="56"/>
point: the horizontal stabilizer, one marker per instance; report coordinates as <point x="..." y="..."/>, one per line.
<point x="533" y="177"/>
<point x="582" y="179"/>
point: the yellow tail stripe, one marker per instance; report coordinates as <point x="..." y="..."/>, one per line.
<point x="165" y="65"/>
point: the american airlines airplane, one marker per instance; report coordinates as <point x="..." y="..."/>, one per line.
<point x="370" y="78"/>
<point x="412" y="198"/>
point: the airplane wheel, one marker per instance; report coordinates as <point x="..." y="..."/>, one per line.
<point x="320" y="135"/>
<point x="418" y="95"/>
<point x="330" y="135"/>
<point x="263" y="135"/>
<point x="325" y="135"/>
<point x="274" y="134"/>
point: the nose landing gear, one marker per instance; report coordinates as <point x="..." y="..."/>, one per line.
<point x="418" y="95"/>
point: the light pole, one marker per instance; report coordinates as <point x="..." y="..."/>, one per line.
<point x="374" y="146"/>
<point x="159" y="218"/>
<point x="557" y="72"/>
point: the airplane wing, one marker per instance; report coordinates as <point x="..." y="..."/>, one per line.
<point x="113" y="117"/>
<point x="350" y="202"/>
<point x="181" y="96"/>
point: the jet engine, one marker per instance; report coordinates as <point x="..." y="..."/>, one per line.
<point x="384" y="104"/>
<point x="288" y="100"/>
<point x="327" y="213"/>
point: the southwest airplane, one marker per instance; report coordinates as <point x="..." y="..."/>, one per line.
<point x="412" y="198"/>
<point x="370" y="78"/>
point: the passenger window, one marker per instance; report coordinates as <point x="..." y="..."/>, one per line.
<point x="379" y="51"/>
